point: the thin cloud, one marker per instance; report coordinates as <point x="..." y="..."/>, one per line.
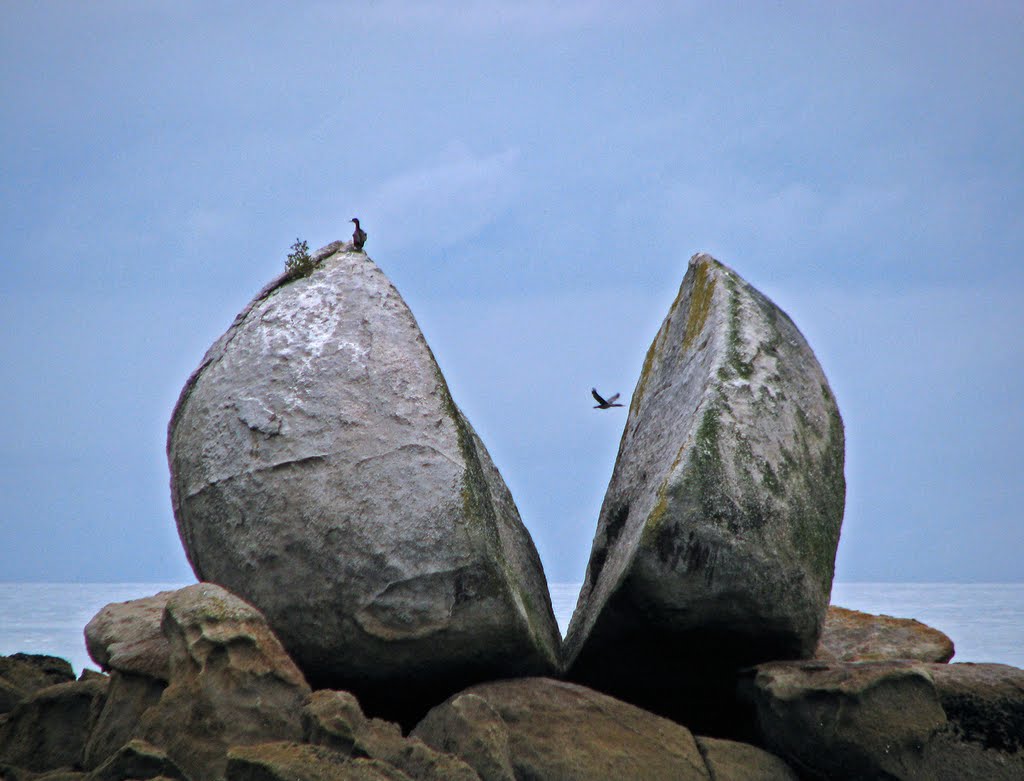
<point x="444" y="202"/>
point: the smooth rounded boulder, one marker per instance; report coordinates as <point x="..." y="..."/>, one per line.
<point x="716" y="542"/>
<point x="321" y="470"/>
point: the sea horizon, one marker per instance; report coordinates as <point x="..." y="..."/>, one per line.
<point x="985" y="620"/>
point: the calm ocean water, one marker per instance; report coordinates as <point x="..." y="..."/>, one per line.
<point x="985" y="620"/>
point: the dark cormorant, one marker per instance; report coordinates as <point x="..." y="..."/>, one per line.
<point x="604" y="403"/>
<point x="358" y="235"/>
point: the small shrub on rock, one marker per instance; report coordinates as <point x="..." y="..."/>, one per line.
<point x="299" y="263"/>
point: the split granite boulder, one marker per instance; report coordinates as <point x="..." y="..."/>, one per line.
<point x="716" y="542"/>
<point x="849" y="721"/>
<point x="321" y="470"/>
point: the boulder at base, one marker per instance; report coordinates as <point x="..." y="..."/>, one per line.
<point x="852" y="636"/>
<point x="126" y="636"/>
<point x="716" y="542"/>
<point x="231" y="683"/>
<point x="848" y="721"/>
<point x="321" y="470"/>
<point x="49" y="729"/>
<point x="23" y="674"/>
<point x="557" y="731"/>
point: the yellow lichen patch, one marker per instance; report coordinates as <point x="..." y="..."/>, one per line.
<point x="657" y="515"/>
<point x="700" y="303"/>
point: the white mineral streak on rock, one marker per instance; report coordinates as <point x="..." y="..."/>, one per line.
<point x="321" y="470"/>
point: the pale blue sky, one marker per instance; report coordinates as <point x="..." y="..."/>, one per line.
<point x="533" y="178"/>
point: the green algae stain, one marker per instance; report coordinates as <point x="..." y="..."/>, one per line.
<point x="700" y="303"/>
<point x="744" y="369"/>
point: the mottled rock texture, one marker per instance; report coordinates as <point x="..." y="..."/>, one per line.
<point x="287" y="761"/>
<point x="231" y="683"/>
<point x="728" y="760"/>
<point x="119" y="719"/>
<point x="892" y="720"/>
<point x="49" y="729"/>
<point x="335" y="719"/>
<point x="136" y="759"/>
<point x="852" y="636"/>
<point x="538" y="728"/>
<point x="126" y="636"/>
<point x="716" y="542"/>
<point x="23" y="674"/>
<point x="321" y="470"/>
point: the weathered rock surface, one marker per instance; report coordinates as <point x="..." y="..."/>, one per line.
<point x="231" y="682"/>
<point x="23" y="674"/>
<point x="852" y="636"/>
<point x="728" y="760"/>
<point x="119" y="719"/>
<point x="286" y="761"/>
<point x="137" y="759"/>
<point x="48" y="730"/>
<point x="335" y="719"/>
<point x="126" y="636"/>
<point x="321" y="470"/>
<point x="553" y="730"/>
<point x="716" y="542"/>
<point x="885" y="720"/>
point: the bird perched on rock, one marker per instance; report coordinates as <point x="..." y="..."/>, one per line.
<point x="358" y="235"/>
<point x="604" y="403"/>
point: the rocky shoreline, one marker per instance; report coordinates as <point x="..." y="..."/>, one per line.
<point x="370" y="605"/>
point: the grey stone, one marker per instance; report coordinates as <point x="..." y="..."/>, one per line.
<point x="899" y="719"/>
<point x="716" y="542"/>
<point x="231" y="683"/>
<point x="48" y="730"/>
<point x="321" y="470"/>
<point x="539" y="728"/>
<point x="852" y="636"/>
<point x="126" y="636"/>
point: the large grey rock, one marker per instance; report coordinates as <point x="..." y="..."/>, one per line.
<point x="126" y="636"/>
<point x="884" y="720"/>
<point x="853" y="636"/>
<point x="538" y="728"/>
<point x="716" y="542"/>
<point x="231" y="683"/>
<point x="321" y="470"/>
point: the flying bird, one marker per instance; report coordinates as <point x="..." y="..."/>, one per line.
<point x="358" y="235"/>
<point x="604" y="403"/>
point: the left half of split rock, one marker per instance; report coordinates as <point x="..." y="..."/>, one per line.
<point x="321" y="470"/>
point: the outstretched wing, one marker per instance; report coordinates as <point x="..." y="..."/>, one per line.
<point x="598" y="396"/>
<point x="613" y="398"/>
